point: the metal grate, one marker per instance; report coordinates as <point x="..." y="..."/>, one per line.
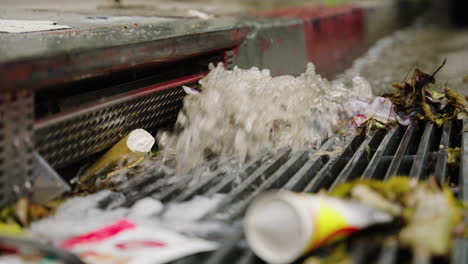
<point x="81" y="133"/>
<point x="16" y="159"/>
<point x="229" y="59"/>
<point x="417" y="150"/>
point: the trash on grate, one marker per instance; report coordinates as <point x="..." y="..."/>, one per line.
<point x="24" y="211"/>
<point x="416" y="98"/>
<point x="428" y="212"/>
<point x="327" y="153"/>
<point x="378" y="114"/>
<point x="125" y="241"/>
<point x="172" y="219"/>
<point x="128" y="152"/>
<point x="11" y="229"/>
<point x="190" y="90"/>
<point x="423" y="216"/>
<point x="413" y="99"/>
<point x="14" y="249"/>
<point x="453" y="155"/>
<point x="281" y="226"/>
<point x="240" y="113"/>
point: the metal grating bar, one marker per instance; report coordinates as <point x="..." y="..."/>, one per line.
<point x="200" y="186"/>
<point x="174" y="189"/>
<point x="383" y="149"/>
<point x="461" y="246"/>
<point x="144" y="181"/>
<point x="224" y="185"/>
<point x="402" y="150"/>
<point x="388" y="255"/>
<point x="421" y="160"/>
<point x="391" y="153"/>
<point x="248" y="257"/>
<point x="227" y="251"/>
<point x="464" y="162"/>
<point x="333" y="167"/>
<point x="294" y="171"/>
<point x="460" y="251"/>
<point x="274" y="181"/>
<point x="166" y="193"/>
<point x="363" y="251"/>
<point x="250" y="183"/>
<point x="441" y="163"/>
<point x="365" y="151"/>
<point x="310" y="168"/>
<point x="146" y="187"/>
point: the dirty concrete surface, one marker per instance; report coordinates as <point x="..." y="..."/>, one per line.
<point x="425" y="44"/>
<point x="422" y="46"/>
<point x="99" y="23"/>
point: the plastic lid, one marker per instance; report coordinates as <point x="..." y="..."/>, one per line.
<point x="139" y="140"/>
<point x="277" y="227"/>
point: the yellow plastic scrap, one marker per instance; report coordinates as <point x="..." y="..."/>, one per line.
<point x="440" y="121"/>
<point x="11" y="229"/>
<point x="327" y="153"/>
<point x="394" y="189"/>
<point x="452" y="156"/>
<point x="430" y="213"/>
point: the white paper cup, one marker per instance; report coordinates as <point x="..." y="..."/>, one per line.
<point x="281" y="226"/>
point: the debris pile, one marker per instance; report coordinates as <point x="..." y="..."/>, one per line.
<point x="415" y="99"/>
<point x="23" y="212"/>
<point x="421" y="216"/>
<point x="123" y="156"/>
<point x="418" y="98"/>
<point x="428" y="214"/>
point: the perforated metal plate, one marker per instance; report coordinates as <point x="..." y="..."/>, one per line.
<point x="71" y="136"/>
<point x="78" y="134"/>
<point x="16" y="159"/>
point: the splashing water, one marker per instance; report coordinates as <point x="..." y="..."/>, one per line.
<point x="240" y="113"/>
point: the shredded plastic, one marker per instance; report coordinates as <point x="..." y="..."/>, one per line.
<point x="239" y="113"/>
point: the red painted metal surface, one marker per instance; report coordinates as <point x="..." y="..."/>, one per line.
<point x="75" y="65"/>
<point x="334" y="35"/>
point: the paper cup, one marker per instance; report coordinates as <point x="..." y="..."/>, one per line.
<point x="281" y="226"/>
<point x="127" y="150"/>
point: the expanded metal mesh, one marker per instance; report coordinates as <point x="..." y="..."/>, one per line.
<point x="86" y="132"/>
<point x="16" y="158"/>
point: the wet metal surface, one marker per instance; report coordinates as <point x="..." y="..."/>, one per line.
<point x="17" y="47"/>
<point x="74" y="55"/>
<point x="391" y="150"/>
